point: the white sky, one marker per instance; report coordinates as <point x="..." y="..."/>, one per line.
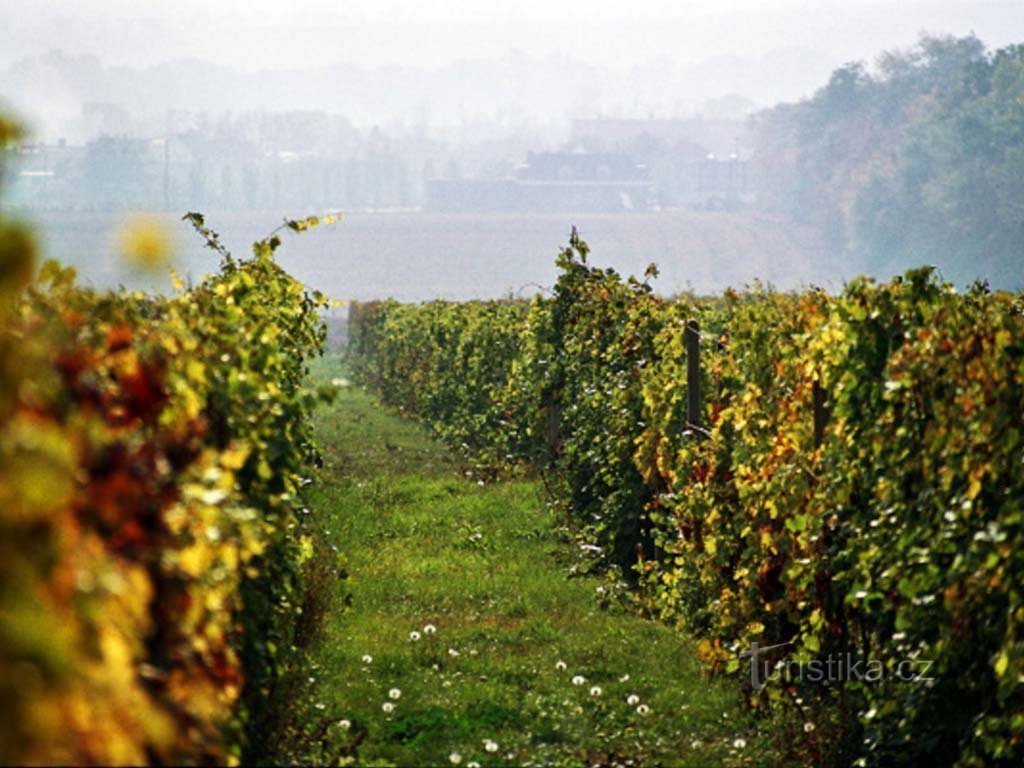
<point x="257" y="34"/>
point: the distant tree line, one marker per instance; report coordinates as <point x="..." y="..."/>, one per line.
<point x="920" y="160"/>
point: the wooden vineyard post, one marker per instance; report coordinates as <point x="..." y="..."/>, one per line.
<point x="553" y="428"/>
<point x="693" y="376"/>
<point x="818" y="398"/>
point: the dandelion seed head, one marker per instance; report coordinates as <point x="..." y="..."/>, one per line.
<point x="632" y="699"/>
<point x="367" y="659"/>
<point x="739" y="743"/>
<point x="345" y="724"/>
<point x="579" y="680"/>
<point x="808" y="727"/>
<point x="595" y="690"/>
<point x="387" y="706"/>
<point x="395" y="693"/>
<point x="429" y="629"/>
<point x="455" y="758"/>
<point x="643" y="709"/>
<point x="414" y="635"/>
<point x="560" y="665"/>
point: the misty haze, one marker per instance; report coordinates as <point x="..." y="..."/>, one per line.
<point x="724" y="144"/>
<point x="539" y="383"/>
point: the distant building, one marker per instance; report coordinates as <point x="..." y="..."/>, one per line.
<point x="715" y="183"/>
<point x="714" y="136"/>
<point x="45" y="174"/>
<point x="695" y="163"/>
<point x="551" y="182"/>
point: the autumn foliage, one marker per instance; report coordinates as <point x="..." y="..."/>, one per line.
<point x="897" y="538"/>
<point x="151" y="453"/>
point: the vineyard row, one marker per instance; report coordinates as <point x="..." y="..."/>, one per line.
<point x="847" y="481"/>
<point x="152" y="451"/>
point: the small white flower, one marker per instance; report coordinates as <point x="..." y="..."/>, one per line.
<point x="808" y="727"/>
<point x="344" y="724"/>
<point x="395" y="693"/>
<point x="560" y="666"/>
<point x="595" y="691"/>
<point x="414" y="635"/>
<point x="579" y="680"/>
<point x="739" y="743"/>
<point x="455" y="758"/>
<point x="490" y="746"/>
<point x="387" y="706"/>
<point x="632" y="699"/>
<point x="453" y="653"/>
<point x="429" y="629"/>
<point x="643" y="709"/>
<point x="367" y="659"/>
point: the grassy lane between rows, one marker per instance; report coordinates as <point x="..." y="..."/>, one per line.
<point x="462" y="637"/>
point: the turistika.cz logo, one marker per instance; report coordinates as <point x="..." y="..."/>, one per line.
<point x="829" y="669"/>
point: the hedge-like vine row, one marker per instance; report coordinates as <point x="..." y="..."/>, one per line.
<point x="151" y="454"/>
<point x="896" y="540"/>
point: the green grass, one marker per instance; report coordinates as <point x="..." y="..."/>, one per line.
<point x="489" y="567"/>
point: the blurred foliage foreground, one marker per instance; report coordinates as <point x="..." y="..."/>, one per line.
<point x="890" y="534"/>
<point x="151" y="543"/>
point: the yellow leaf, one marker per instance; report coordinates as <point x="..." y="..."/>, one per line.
<point x="1002" y="664"/>
<point x="145" y="242"/>
<point x="235" y="456"/>
<point x="195" y="371"/>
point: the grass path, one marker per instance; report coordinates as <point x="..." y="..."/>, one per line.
<point x="481" y="574"/>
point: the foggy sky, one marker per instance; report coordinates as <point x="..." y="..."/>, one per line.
<point x="452" y="63"/>
<point x="259" y="34"/>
